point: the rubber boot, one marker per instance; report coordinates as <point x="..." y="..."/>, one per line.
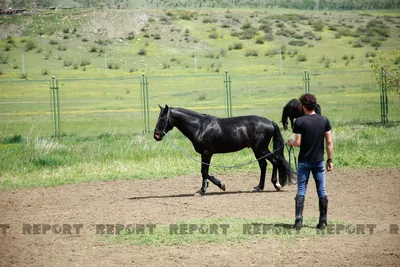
<point x="323" y="209"/>
<point x="299" y="212"/>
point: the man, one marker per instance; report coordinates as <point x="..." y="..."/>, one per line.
<point x="310" y="131"/>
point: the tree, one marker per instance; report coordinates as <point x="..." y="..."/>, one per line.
<point x="390" y="64"/>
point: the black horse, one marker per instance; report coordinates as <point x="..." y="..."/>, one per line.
<point x="211" y="135"/>
<point x="293" y="110"/>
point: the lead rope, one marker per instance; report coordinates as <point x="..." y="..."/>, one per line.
<point x="218" y="166"/>
<point x="290" y="153"/>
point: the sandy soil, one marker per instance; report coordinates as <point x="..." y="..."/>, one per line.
<point x="358" y="197"/>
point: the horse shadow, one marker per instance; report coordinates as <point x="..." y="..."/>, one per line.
<point x="206" y="195"/>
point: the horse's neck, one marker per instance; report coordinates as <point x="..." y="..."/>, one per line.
<point x="187" y="123"/>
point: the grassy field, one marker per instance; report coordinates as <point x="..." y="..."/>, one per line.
<point x="99" y="55"/>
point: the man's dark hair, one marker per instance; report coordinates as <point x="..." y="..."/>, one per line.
<point x="308" y="101"/>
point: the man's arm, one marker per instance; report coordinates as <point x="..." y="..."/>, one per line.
<point x="329" y="150"/>
<point x="296" y="142"/>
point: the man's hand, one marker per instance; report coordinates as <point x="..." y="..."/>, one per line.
<point x="329" y="166"/>
<point x="290" y="142"/>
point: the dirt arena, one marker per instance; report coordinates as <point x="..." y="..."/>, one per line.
<point x="358" y="197"/>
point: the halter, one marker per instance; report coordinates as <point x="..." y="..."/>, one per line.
<point x="164" y="131"/>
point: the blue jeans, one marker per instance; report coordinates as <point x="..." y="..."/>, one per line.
<point x="303" y="173"/>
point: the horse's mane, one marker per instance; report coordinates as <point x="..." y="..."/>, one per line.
<point x="192" y="113"/>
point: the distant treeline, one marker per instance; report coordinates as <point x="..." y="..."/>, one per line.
<point x="296" y="4"/>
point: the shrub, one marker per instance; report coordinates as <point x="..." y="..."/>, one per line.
<point x="209" y="55"/>
<point x="301" y="58"/>
<point x="53" y="42"/>
<point x="61" y="47"/>
<point x="30" y="45"/>
<point x="45" y="72"/>
<point x="85" y="62"/>
<point x="213" y="35"/>
<point x="247" y="34"/>
<point x="237" y="45"/>
<point x="12" y="139"/>
<point x="222" y="52"/>
<point x="208" y="20"/>
<point x="297" y="42"/>
<point x="142" y="52"/>
<point x="259" y="40"/>
<point x="67" y="62"/>
<point x="357" y="43"/>
<point x="252" y="52"/>
<point x="131" y="36"/>
<point x="11" y="41"/>
<point x="202" y="97"/>
<point x="271" y="52"/>
<point x="166" y="65"/>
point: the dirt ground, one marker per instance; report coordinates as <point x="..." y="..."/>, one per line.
<point x="356" y="197"/>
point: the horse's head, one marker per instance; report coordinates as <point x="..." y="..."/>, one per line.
<point x="164" y="124"/>
<point x="284" y="120"/>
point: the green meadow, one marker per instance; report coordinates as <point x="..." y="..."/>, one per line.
<point x="98" y="57"/>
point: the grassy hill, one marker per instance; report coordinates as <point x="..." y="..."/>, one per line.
<point x="77" y="43"/>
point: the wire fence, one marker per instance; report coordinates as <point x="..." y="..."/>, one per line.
<point x="115" y="106"/>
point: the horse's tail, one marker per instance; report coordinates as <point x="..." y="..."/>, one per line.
<point x="285" y="172"/>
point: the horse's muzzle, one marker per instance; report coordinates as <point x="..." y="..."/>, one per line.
<point x="158" y="135"/>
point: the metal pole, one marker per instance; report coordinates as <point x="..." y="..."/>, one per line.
<point x="385" y="98"/>
<point x="306" y="80"/>
<point x="230" y="96"/>
<point x="55" y="107"/>
<point x="226" y="93"/>
<point x="142" y="101"/>
<point x="195" y="63"/>
<point x="147" y="107"/>
<point x="23" y="63"/>
<point x="105" y="62"/>
<point x="381" y="95"/>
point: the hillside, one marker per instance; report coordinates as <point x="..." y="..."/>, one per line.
<point x="292" y="4"/>
<point x="65" y="42"/>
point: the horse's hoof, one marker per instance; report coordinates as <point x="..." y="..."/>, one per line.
<point x="222" y="186"/>
<point x="257" y="189"/>
<point x="278" y="187"/>
<point x="199" y="193"/>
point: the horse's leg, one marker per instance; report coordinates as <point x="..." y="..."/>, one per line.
<point x="274" y="161"/>
<point x="206" y="159"/>
<point x="263" y="169"/>
<point x="217" y="182"/>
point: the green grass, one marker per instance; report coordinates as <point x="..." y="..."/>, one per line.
<point x="220" y="230"/>
<point x="101" y="120"/>
<point x="45" y="161"/>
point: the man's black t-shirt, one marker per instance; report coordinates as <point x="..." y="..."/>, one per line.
<point x="312" y="129"/>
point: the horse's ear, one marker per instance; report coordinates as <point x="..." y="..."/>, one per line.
<point x="166" y="108"/>
<point x="160" y="107"/>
